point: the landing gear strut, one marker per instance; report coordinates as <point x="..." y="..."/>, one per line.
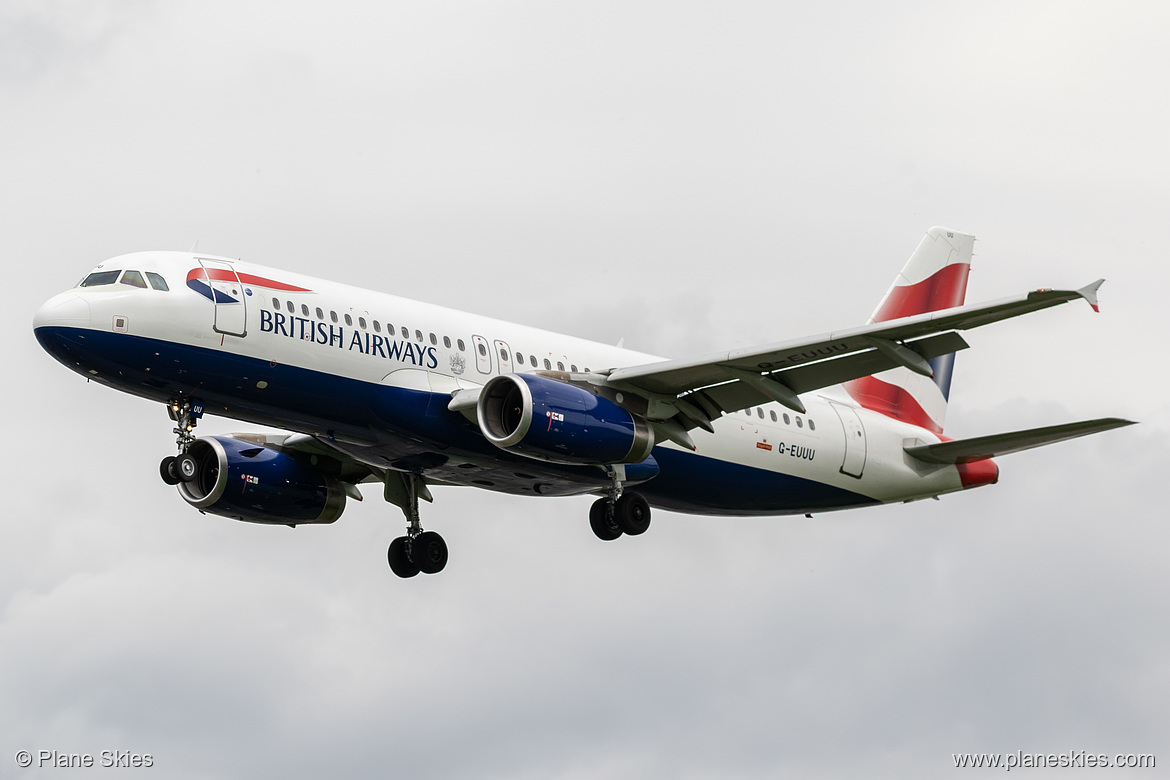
<point x="619" y="513"/>
<point x="418" y="551"/>
<point x="182" y="467"/>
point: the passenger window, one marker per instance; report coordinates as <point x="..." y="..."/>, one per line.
<point x="560" y="366"/>
<point x="418" y="335"/>
<point x="503" y="355"/>
<point x="547" y="364"/>
<point x="447" y="342"/>
<point x="532" y="359"/>
<point x="333" y="316"/>
<point x="760" y="412"/>
<point x="157" y="282"/>
<point x="362" y="322"/>
<point x="519" y="359"/>
<point x="483" y="350"/>
<point x="773" y="415"/>
<point x="349" y="320"/>
<point x="786" y="420"/>
<point x="799" y="422"/>
<point x="462" y="346"/>
<point x="377" y="327"/>
<point x="276" y="304"/>
<point x="434" y="339"/>
<point x="100" y="278"/>
<point x="587" y="369"/>
<point x="573" y="368"/>
<point x="133" y="279"/>
<point x="304" y="310"/>
<point x="812" y="426"/>
<point x="291" y="309"/>
<point x="320" y="314"/>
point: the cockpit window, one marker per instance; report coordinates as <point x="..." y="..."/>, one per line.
<point x="134" y="279"/>
<point x="99" y="278"/>
<point x="157" y="282"/>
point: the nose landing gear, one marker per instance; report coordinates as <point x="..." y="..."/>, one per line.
<point x="182" y="467"/>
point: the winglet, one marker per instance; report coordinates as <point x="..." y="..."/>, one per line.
<point x="1089" y="293"/>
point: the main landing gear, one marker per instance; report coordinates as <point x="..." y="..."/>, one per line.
<point x="418" y="551"/>
<point x="619" y="513"/>
<point x="182" y="467"/>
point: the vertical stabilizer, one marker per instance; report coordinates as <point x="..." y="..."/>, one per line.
<point x="934" y="278"/>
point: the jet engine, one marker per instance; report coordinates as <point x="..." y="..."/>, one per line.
<point x="257" y="484"/>
<point x="557" y="422"/>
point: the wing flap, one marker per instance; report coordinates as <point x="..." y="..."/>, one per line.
<point x="980" y="447"/>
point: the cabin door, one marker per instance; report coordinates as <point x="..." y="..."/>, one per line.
<point x="231" y="315"/>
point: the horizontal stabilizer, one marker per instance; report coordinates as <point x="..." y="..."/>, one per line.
<point x="967" y="450"/>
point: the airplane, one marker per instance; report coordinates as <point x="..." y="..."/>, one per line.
<point x="375" y="388"/>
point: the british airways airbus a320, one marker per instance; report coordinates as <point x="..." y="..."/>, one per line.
<point x="380" y="389"/>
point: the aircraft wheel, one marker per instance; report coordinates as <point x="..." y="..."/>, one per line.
<point x="429" y="552"/>
<point x="400" y="562"/>
<point x="632" y="514"/>
<point x="187" y="468"/>
<point x="169" y="470"/>
<point x="602" y="521"/>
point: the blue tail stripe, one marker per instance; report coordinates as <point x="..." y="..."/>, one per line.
<point x="944" y="366"/>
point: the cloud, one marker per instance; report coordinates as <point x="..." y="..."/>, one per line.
<point x="691" y="180"/>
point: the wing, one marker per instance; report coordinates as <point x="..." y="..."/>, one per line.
<point x="685" y="394"/>
<point x="967" y="450"/>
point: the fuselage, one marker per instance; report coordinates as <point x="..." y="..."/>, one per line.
<point x="372" y="374"/>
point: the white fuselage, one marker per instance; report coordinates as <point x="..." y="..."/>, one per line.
<point x="265" y="321"/>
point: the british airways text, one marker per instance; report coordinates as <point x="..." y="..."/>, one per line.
<point x="334" y="336"/>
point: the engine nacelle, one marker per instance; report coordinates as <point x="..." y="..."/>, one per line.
<point x="557" y="422"/>
<point x="258" y="484"/>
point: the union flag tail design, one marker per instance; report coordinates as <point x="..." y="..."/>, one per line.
<point x="934" y="278"/>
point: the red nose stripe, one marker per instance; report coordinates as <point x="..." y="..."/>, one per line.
<point x="224" y="275"/>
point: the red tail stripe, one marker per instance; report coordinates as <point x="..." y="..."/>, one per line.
<point x="225" y="275"/>
<point x="944" y="289"/>
<point x="890" y="400"/>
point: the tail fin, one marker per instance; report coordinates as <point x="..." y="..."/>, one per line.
<point x="934" y="278"/>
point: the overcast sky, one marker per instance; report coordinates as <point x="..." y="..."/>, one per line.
<point x="688" y="176"/>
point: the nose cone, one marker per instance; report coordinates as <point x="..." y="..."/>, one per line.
<point x="56" y="325"/>
<point x="65" y="310"/>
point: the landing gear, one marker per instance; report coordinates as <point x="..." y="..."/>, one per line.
<point x="602" y="521"/>
<point x="619" y="513"/>
<point x="418" y="551"/>
<point x="632" y="514"/>
<point x="400" y="560"/>
<point x="429" y="552"/>
<point x="182" y="467"/>
<point x="169" y="470"/>
<point x="187" y="467"/>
